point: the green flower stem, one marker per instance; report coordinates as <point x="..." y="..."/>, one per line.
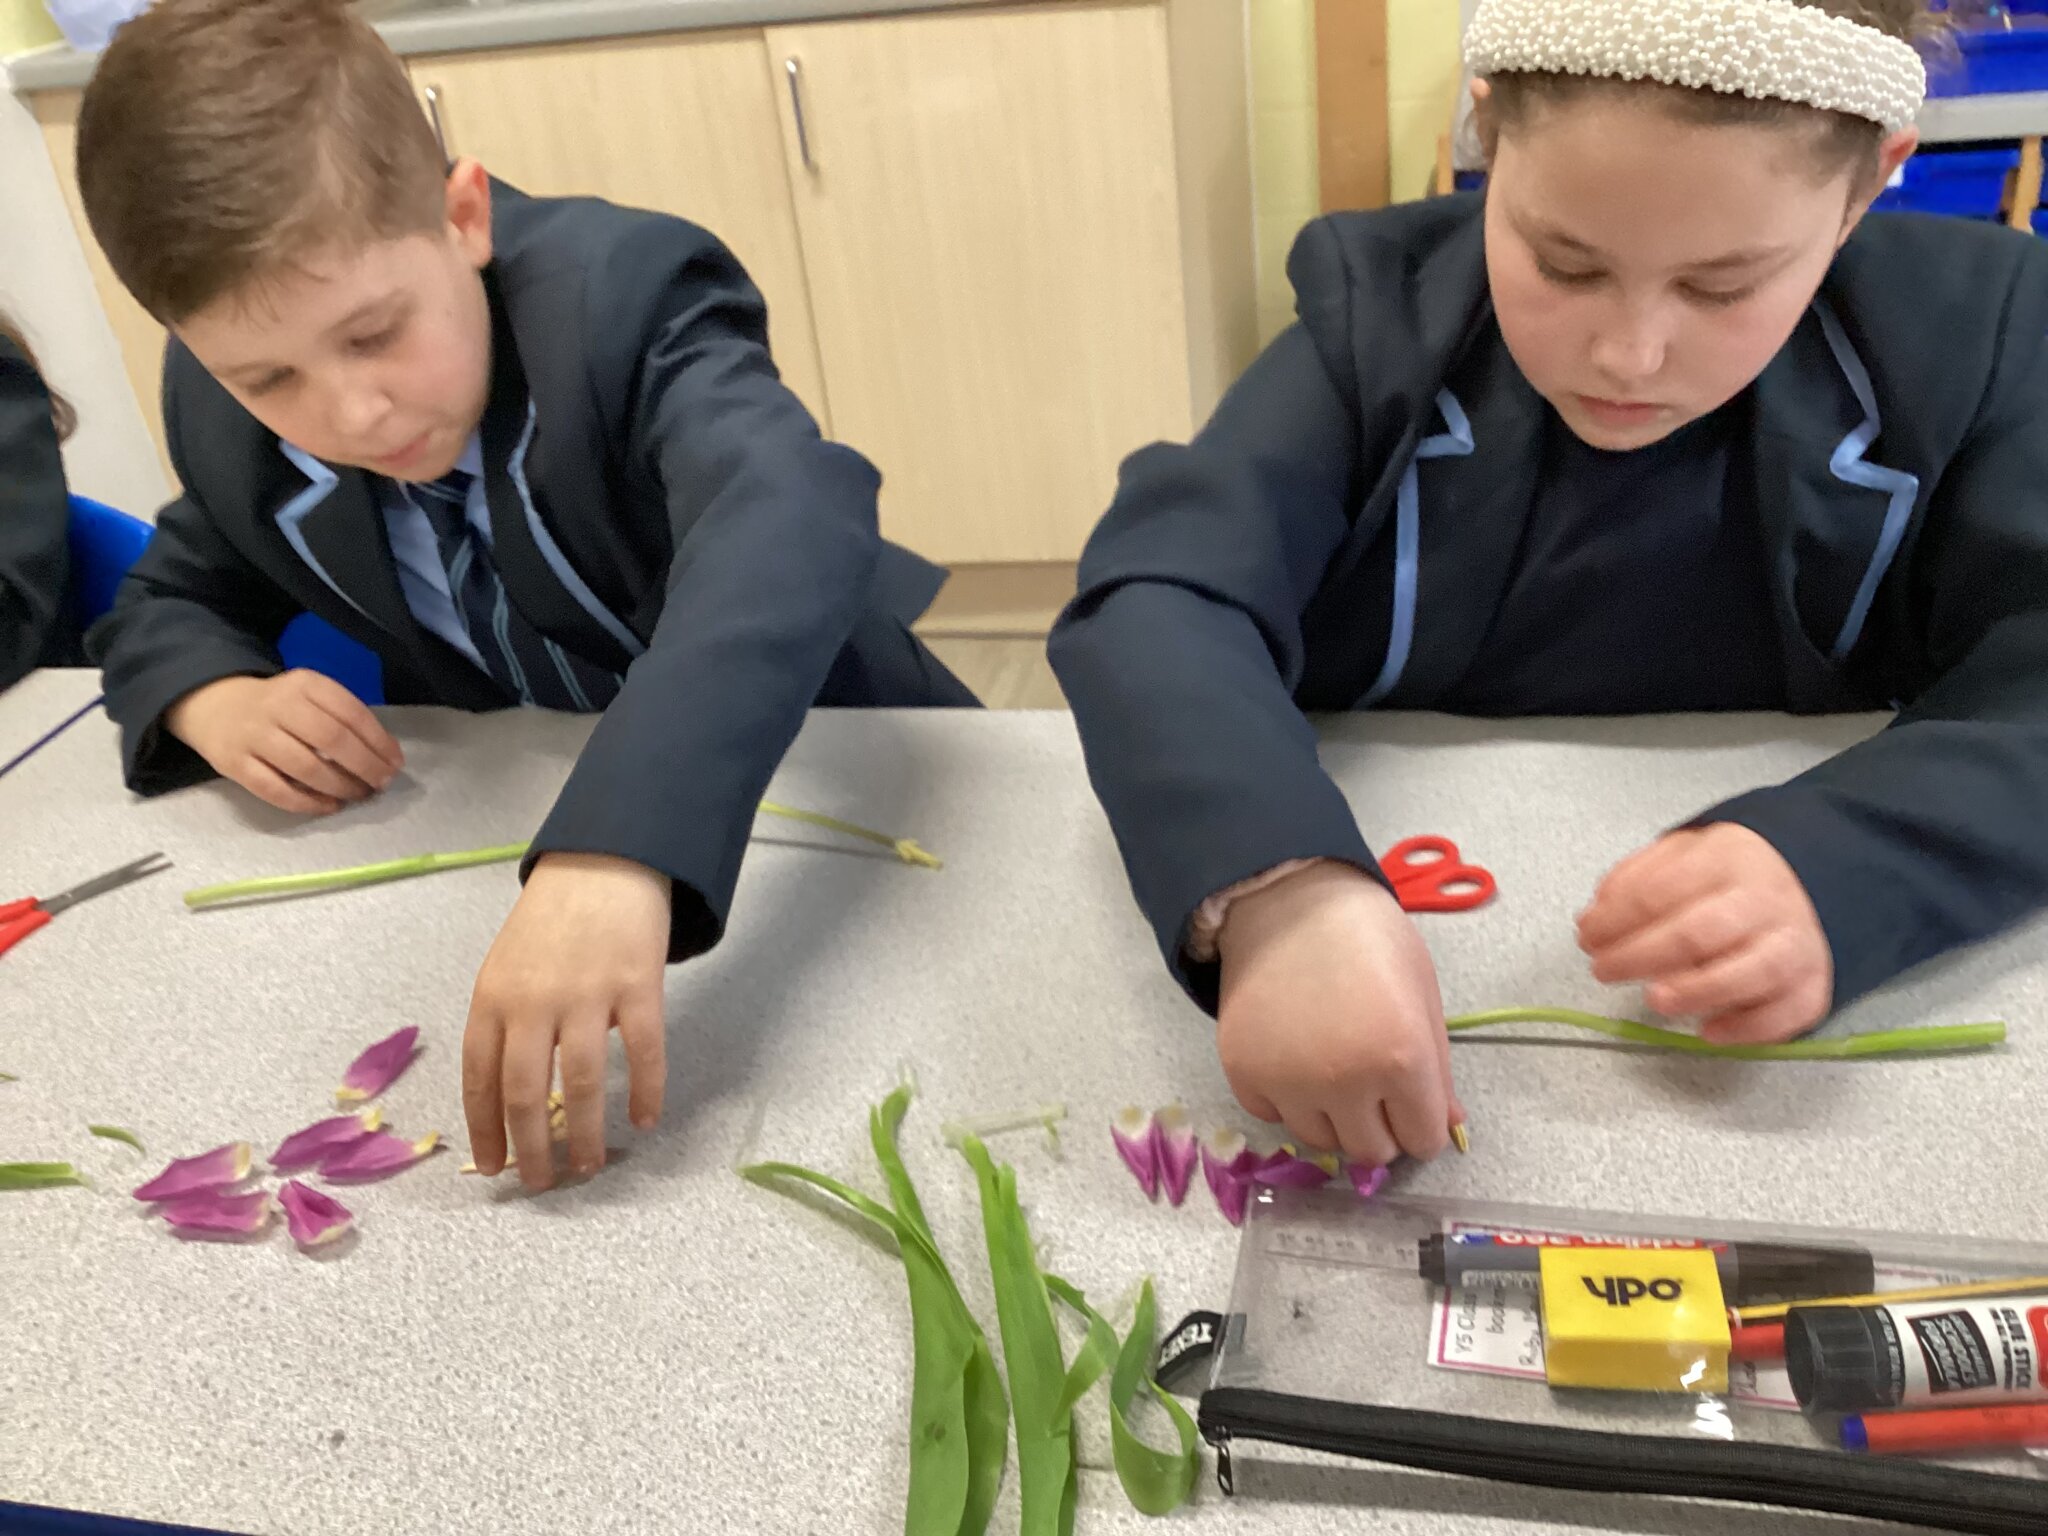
<point x="1890" y="1042"/>
<point x="904" y="848"/>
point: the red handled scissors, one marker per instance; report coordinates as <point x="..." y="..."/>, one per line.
<point x="1430" y="875"/>
<point x="19" y="919"/>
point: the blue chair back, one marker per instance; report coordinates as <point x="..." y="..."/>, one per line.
<point x="105" y="543"/>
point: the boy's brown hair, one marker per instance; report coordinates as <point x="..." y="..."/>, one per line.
<point x="1840" y="142"/>
<point x="222" y="141"/>
<point x="61" y="415"/>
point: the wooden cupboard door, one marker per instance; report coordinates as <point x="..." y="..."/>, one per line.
<point x="991" y="231"/>
<point x="680" y="124"/>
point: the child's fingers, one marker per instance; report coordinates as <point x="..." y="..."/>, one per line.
<point x="355" y="716"/>
<point x="319" y="730"/>
<point x="527" y="1072"/>
<point x="1750" y="974"/>
<point x="273" y="788"/>
<point x="1783" y="1018"/>
<point x="1695" y="935"/>
<point x="483" y="1103"/>
<point x="642" y="1031"/>
<point x="583" y="1047"/>
<point x="1311" y="1128"/>
<point x="293" y="757"/>
<point x="1420" y="1117"/>
<point x="1645" y="889"/>
<point x="1364" y="1134"/>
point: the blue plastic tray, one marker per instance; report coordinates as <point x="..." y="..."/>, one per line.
<point x="1969" y="183"/>
<point x="1994" y="60"/>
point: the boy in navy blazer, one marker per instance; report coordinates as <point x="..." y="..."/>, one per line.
<point x="530" y="451"/>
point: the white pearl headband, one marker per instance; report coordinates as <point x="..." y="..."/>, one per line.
<point x="1777" y="50"/>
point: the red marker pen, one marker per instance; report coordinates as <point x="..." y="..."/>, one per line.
<point x="1936" y="1431"/>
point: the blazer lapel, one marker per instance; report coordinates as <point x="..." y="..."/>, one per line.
<point x="510" y="439"/>
<point x="1832" y="513"/>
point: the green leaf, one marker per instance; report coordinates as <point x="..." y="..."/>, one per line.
<point x="1929" y="1040"/>
<point x="8" y="1077"/>
<point x="1047" y="1479"/>
<point x="38" y="1175"/>
<point x="117" y="1133"/>
<point x="959" y="1416"/>
<point x="1156" y="1482"/>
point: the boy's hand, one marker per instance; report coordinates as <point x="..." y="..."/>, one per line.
<point x="1331" y="1022"/>
<point x="582" y="954"/>
<point x="298" y="741"/>
<point x="1717" y="926"/>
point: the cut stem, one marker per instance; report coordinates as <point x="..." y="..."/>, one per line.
<point x="1925" y="1040"/>
<point x="267" y="886"/>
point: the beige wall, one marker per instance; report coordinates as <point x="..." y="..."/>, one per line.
<point x="1423" y="77"/>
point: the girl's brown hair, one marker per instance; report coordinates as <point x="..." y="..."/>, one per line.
<point x="1840" y="142"/>
<point x="61" y="414"/>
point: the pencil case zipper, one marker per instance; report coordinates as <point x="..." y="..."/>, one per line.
<point x="1906" y="1492"/>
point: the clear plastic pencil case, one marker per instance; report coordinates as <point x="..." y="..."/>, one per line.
<point x="1857" y="1373"/>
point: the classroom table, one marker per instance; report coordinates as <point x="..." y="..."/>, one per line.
<point x="667" y="1348"/>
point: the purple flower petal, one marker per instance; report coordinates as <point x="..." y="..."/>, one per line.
<point x="1227" y="1164"/>
<point x="1132" y="1131"/>
<point x="1285" y="1170"/>
<point x="377" y="1155"/>
<point x="323" y="1139"/>
<point x="378" y="1067"/>
<point x="313" y="1218"/>
<point x="1174" y="1151"/>
<point x="216" y="1212"/>
<point x="208" y="1173"/>
<point x="1367" y="1181"/>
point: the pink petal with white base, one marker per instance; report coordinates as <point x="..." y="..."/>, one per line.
<point x="375" y="1156"/>
<point x="237" y="1215"/>
<point x="378" y="1067"/>
<point x="313" y="1218"/>
<point x="1136" y="1142"/>
<point x="1285" y="1170"/>
<point x="1174" y="1151"/>
<point x="208" y="1173"/>
<point x="1367" y="1181"/>
<point x="1227" y="1164"/>
<point x="323" y="1139"/>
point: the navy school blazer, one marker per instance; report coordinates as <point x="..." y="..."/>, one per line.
<point x="635" y="417"/>
<point x="1341" y="533"/>
<point x="37" y="628"/>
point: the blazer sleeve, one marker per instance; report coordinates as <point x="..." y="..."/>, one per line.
<point x="1934" y="833"/>
<point x="1182" y="648"/>
<point x="775" y="538"/>
<point x="35" y="556"/>
<point x="191" y="611"/>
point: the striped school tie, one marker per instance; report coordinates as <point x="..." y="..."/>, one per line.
<point x="522" y="660"/>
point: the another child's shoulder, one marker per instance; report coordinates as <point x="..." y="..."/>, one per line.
<point x="539" y="239"/>
<point x="1369" y="247"/>
<point x="1926" y="270"/>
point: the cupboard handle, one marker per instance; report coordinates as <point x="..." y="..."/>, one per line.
<point x="795" y="72"/>
<point x="433" y="97"/>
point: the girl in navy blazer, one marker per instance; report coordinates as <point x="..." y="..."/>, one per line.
<point x="1663" y="422"/>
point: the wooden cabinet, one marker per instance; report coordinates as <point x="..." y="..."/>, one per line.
<point x="1002" y="247"/>
<point x="140" y="338"/>
<point x="993" y="229"/>
<point x="681" y="124"/>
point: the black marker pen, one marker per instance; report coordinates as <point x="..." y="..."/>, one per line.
<point x="1750" y="1272"/>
